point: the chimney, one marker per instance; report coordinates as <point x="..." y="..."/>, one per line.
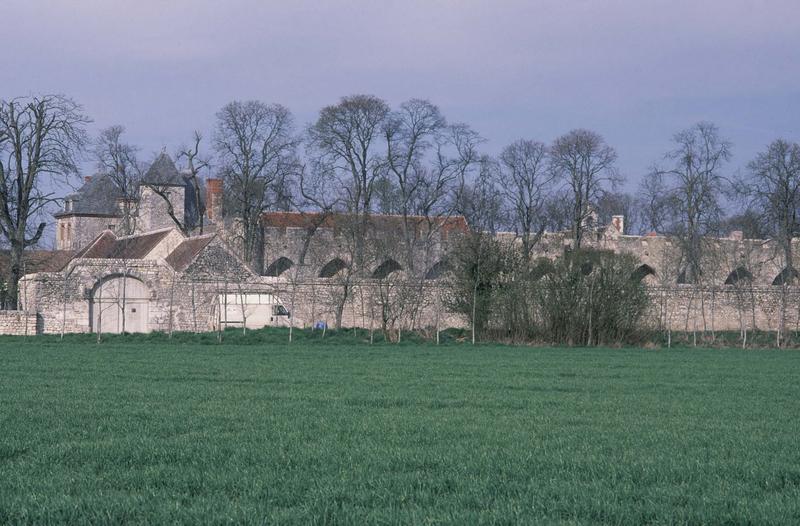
<point x="214" y="199"/>
<point x="619" y="223"/>
<point x="87" y="178"/>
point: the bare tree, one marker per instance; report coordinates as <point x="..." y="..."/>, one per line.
<point x="118" y="161"/>
<point x="773" y="189"/>
<point x="427" y="161"/>
<point x="256" y="148"/>
<point x="480" y="201"/>
<point x="691" y="190"/>
<point x="524" y="183"/>
<point x="344" y="145"/>
<point x="40" y="139"/>
<point x="655" y="207"/>
<point x="586" y="163"/>
<point x="178" y="217"/>
<point x="194" y="165"/>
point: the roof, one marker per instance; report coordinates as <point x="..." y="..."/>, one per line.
<point x="98" y="197"/>
<point x="380" y="221"/>
<point x="36" y="261"/>
<point x="297" y="219"/>
<point x="163" y="172"/>
<point x="109" y="246"/>
<point x="185" y="253"/>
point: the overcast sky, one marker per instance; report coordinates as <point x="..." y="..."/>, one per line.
<point x="634" y="71"/>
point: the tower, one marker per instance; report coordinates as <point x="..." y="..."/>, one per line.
<point x="162" y="196"/>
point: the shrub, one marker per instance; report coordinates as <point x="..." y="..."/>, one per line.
<point x="586" y="297"/>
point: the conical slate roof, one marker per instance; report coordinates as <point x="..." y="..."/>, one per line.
<point x="163" y="172"/>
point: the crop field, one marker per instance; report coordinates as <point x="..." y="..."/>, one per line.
<point x="335" y="431"/>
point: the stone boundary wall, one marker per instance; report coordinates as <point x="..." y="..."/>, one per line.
<point x="186" y="303"/>
<point x="19" y="323"/>
<point x="688" y="308"/>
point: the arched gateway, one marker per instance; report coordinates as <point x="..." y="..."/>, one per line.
<point x="120" y="304"/>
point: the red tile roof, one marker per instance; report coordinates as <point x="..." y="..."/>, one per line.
<point x="185" y="253"/>
<point x="109" y="246"/>
<point x="379" y="221"/>
<point x="36" y="261"/>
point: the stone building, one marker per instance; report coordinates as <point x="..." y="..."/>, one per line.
<point x="130" y="264"/>
<point x="163" y="197"/>
<point x="143" y="263"/>
<point x="161" y="280"/>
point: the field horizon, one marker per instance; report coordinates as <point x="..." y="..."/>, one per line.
<point x="335" y="432"/>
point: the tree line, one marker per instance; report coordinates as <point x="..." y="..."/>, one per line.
<point x="361" y="156"/>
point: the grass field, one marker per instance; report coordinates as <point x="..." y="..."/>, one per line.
<point x="321" y="432"/>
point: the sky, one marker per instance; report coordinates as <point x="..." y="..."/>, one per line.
<point x="634" y="71"/>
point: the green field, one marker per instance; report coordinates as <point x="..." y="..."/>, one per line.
<point x="149" y="431"/>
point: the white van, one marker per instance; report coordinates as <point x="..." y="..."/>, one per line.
<point x="253" y="310"/>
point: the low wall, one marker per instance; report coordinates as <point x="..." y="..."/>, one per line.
<point x="18" y="323"/>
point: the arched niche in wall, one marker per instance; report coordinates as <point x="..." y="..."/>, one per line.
<point x="332" y="267"/>
<point x="643" y="271"/>
<point x="279" y="266"/>
<point x="437" y="270"/>
<point x="740" y="274"/>
<point x="386" y="268"/>
<point x="787" y="276"/>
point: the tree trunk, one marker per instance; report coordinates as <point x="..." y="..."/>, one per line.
<point x="16" y="274"/>
<point x="474" y="304"/>
<point x="341" y="304"/>
<point x="171" y="304"/>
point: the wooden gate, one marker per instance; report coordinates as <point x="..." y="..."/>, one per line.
<point x="120" y="304"/>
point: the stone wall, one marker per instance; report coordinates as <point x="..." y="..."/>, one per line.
<point x="312" y="249"/>
<point x="64" y="299"/>
<point x="184" y="301"/>
<point x="187" y="302"/>
<point x="152" y="209"/>
<point x="722" y="257"/>
<point x="19" y="323"/>
<point x="414" y="305"/>
<point x="75" y="232"/>
<point x="688" y="308"/>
